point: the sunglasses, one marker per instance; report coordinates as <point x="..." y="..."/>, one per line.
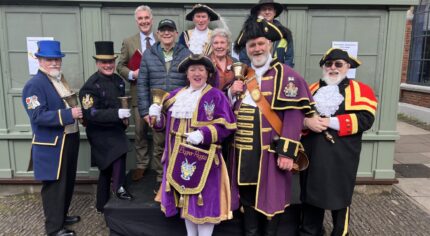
<point x="337" y="64"/>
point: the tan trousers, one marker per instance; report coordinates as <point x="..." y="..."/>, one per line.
<point x="141" y="140"/>
<point x="159" y="140"/>
<point x="142" y="147"/>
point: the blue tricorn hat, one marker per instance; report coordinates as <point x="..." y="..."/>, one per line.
<point x="49" y="49"/>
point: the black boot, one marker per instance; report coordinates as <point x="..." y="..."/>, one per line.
<point x="122" y="194"/>
<point x="271" y="226"/>
<point x="250" y="221"/>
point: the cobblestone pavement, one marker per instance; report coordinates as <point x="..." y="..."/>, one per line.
<point x="371" y="214"/>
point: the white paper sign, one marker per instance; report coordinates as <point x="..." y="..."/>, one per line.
<point x="33" y="63"/>
<point x="351" y="48"/>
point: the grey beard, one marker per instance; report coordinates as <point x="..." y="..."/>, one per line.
<point x="333" y="81"/>
<point x="55" y="74"/>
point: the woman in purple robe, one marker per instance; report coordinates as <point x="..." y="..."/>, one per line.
<point x="196" y="118"/>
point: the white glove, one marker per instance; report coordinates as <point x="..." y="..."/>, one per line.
<point x="124" y="113"/>
<point x="155" y="110"/>
<point x="195" y="137"/>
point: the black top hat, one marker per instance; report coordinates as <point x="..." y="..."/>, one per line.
<point x="336" y="54"/>
<point x="166" y="23"/>
<point x="104" y="50"/>
<point x="255" y="27"/>
<point x="278" y="7"/>
<point x="196" y="59"/>
<point x="199" y="8"/>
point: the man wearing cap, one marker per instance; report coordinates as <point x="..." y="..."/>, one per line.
<point x="270" y="110"/>
<point x="105" y="125"/>
<point x="132" y="46"/>
<point x="346" y="109"/>
<point x="55" y="144"/>
<point x="198" y="39"/>
<point x="159" y="69"/>
<point x="282" y="49"/>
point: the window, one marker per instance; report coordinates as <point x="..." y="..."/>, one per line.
<point x="419" y="61"/>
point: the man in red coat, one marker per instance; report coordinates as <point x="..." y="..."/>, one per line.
<point x="346" y="109"/>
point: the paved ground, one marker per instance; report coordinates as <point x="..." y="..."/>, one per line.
<point x="412" y="163"/>
<point x="404" y="211"/>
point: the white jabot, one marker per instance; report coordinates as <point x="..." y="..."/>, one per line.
<point x="186" y="103"/>
<point x="197" y="40"/>
<point x="328" y="99"/>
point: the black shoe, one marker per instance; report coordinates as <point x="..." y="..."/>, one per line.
<point x="122" y="194"/>
<point x="64" y="232"/>
<point x="70" y="220"/>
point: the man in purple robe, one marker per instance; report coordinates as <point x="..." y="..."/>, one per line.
<point x="271" y="107"/>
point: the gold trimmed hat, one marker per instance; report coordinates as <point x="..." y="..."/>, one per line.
<point x="255" y="27"/>
<point x="196" y="59"/>
<point x="104" y="50"/>
<point x="199" y="8"/>
<point x="339" y="54"/>
<point x="278" y="7"/>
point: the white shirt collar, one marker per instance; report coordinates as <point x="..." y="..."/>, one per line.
<point x="143" y="40"/>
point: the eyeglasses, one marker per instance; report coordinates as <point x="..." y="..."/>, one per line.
<point x="337" y="64"/>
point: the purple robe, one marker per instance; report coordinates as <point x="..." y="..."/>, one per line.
<point x="288" y="94"/>
<point x="215" y="126"/>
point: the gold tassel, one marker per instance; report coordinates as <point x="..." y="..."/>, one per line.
<point x="181" y="202"/>
<point x="200" y="200"/>
<point x="167" y="187"/>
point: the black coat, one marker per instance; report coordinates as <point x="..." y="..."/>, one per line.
<point x="330" y="179"/>
<point x="105" y="131"/>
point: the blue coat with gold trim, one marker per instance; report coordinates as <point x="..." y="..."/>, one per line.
<point x="330" y="178"/>
<point x="48" y="116"/>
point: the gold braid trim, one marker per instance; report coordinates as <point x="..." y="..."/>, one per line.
<point x="214" y="133"/>
<point x="222" y="121"/>
<point x="172" y="160"/>
<point x="195" y="220"/>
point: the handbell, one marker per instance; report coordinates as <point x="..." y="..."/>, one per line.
<point x="158" y="96"/>
<point x="239" y="69"/>
<point x="72" y="101"/>
<point x="125" y="104"/>
<point x="300" y="163"/>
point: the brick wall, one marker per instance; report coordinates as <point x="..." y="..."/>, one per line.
<point x="406" y="48"/>
<point x="415" y="98"/>
<point x="411" y="97"/>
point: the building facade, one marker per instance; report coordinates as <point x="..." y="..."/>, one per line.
<point x="378" y="26"/>
<point x="415" y="82"/>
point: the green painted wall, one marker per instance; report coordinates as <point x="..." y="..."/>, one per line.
<point x="378" y="27"/>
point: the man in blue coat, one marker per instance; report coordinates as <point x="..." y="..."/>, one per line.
<point x="55" y="143"/>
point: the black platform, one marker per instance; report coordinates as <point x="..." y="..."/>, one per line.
<point x="143" y="216"/>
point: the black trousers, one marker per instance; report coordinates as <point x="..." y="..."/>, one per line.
<point x="254" y="222"/>
<point x="115" y="174"/>
<point x="313" y="218"/>
<point x="57" y="194"/>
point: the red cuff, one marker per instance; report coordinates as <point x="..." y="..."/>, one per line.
<point x="347" y="124"/>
